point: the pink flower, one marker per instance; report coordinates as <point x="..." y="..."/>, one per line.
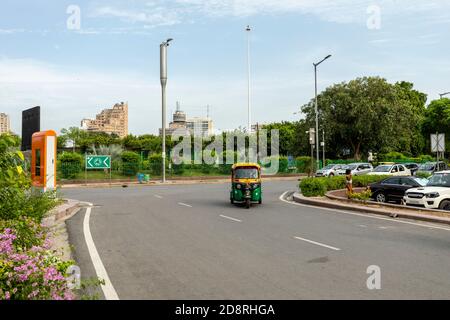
<point x="7" y="295"/>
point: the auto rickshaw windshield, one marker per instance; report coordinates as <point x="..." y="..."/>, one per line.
<point x="246" y="173"/>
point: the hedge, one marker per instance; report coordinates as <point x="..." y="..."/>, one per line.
<point x="318" y="187"/>
<point x="70" y="164"/>
<point x="130" y="163"/>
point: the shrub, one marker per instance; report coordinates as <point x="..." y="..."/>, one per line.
<point x="32" y="273"/>
<point x="362" y="196"/>
<point x="314" y="187"/>
<point x="303" y="164"/>
<point x="156" y="164"/>
<point x="424" y="175"/>
<point x="425" y="158"/>
<point x="130" y="163"/>
<point x="70" y="164"/>
<point x="391" y="156"/>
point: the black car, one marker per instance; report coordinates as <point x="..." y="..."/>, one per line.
<point x="414" y="167"/>
<point x="393" y="189"/>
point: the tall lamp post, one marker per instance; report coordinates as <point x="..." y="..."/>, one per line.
<point x="249" y="101"/>
<point x="316" y="108"/>
<point x="163" y="65"/>
<point x="444" y="94"/>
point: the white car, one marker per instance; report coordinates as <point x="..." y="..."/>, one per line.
<point x="435" y="195"/>
<point x="358" y="169"/>
<point x="330" y="170"/>
<point x="391" y="170"/>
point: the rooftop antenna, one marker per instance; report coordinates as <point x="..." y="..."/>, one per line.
<point x="207" y="112"/>
<point x="178" y="106"/>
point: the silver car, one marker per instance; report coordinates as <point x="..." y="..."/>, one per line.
<point x="358" y="169"/>
<point x="330" y="171"/>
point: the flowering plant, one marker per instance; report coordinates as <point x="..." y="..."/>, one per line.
<point x="34" y="273"/>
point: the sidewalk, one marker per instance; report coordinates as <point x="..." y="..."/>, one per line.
<point x="389" y="210"/>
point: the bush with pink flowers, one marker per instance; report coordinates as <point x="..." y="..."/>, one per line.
<point x="34" y="273"/>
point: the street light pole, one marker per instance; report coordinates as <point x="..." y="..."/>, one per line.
<point x="163" y="77"/>
<point x="444" y="94"/>
<point x="249" y="125"/>
<point x="316" y="109"/>
<point x="323" y="141"/>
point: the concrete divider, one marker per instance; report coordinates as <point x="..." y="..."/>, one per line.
<point x="389" y="210"/>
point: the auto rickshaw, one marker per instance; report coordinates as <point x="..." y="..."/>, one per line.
<point x="246" y="184"/>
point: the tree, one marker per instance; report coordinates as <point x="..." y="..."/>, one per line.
<point x="72" y="134"/>
<point x="437" y="118"/>
<point x="369" y="114"/>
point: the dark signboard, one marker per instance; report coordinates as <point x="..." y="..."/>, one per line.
<point x="31" y="123"/>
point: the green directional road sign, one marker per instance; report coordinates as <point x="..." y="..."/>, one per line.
<point x="98" y="162"/>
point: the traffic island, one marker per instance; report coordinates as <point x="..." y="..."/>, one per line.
<point x="338" y="200"/>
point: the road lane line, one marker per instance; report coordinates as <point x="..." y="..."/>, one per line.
<point x="184" y="204"/>
<point x="367" y="215"/>
<point x="108" y="289"/>
<point x="318" y="244"/>
<point x="230" y="218"/>
<point x="157" y="196"/>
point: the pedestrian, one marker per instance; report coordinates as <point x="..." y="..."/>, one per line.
<point x="349" y="182"/>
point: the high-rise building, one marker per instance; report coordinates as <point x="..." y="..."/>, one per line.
<point x="5" y="125"/>
<point x="200" y="126"/>
<point x="110" y="121"/>
<point x="194" y="126"/>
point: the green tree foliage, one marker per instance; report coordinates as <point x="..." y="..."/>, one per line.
<point x="437" y="119"/>
<point x="130" y="163"/>
<point x="370" y="114"/>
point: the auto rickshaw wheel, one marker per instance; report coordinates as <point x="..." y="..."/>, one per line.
<point x="232" y="201"/>
<point x="247" y="203"/>
<point x="260" y="201"/>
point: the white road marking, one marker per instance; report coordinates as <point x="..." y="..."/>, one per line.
<point x="318" y="244"/>
<point x="184" y="204"/>
<point x="230" y="218"/>
<point x="157" y="196"/>
<point x="108" y="289"/>
<point x="335" y="211"/>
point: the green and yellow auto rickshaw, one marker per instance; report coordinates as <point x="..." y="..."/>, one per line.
<point x="246" y="184"/>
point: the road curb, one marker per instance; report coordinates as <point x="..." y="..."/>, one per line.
<point x="389" y="212"/>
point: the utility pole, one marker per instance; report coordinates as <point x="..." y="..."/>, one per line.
<point x="249" y="102"/>
<point x="316" y="109"/>
<point x="163" y="77"/>
<point x="323" y="145"/>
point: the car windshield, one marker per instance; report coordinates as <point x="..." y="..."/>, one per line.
<point x="246" y="173"/>
<point x="426" y="166"/>
<point x="351" y="167"/>
<point x="439" y="180"/>
<point x="421" y="181"/>
<point x="329" y="167"/>
<point x="383" y="169"/>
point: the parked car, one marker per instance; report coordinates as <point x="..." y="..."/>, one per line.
<point x="435" y="195"/>
<point x="358" y="169"/>
<point x="414" y="167"/>
<point x="391" y="170"/>
<point x="330" y="170"/>
<point x="393" y="189"/>
<point x="432" y="167"/>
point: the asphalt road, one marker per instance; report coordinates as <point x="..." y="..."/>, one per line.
<point x="189" y="242"/>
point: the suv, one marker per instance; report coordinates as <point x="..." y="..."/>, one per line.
<point x="358" y="169"/>
<point x="435" y="195"/>
<point x="431" y="167"/>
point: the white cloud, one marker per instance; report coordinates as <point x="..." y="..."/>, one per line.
<point x="169" y="12"/>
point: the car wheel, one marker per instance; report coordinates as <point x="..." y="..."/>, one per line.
<point x="445" y="205"/>
<point x="331" y="175"/>
<point x="380" y="197"/>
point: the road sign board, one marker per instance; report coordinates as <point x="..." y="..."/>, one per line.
<point x="98" y="162"/>
<point x="438" y="143"/>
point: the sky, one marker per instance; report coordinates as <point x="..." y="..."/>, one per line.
<point x="75" y="58"/>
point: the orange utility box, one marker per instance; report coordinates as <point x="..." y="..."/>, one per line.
<point x="43" y="160"/>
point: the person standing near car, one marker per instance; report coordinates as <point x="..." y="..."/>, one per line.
<point x="349" y="182"/>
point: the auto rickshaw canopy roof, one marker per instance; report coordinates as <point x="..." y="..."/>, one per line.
<point x="246" y="165"/>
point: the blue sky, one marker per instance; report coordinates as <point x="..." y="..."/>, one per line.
<point x="114" y="56"/>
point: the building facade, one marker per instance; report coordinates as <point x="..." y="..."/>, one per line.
<point x="5" y="124"/>
<point x="184" y="126"/>
<point x="111" y="121"/>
